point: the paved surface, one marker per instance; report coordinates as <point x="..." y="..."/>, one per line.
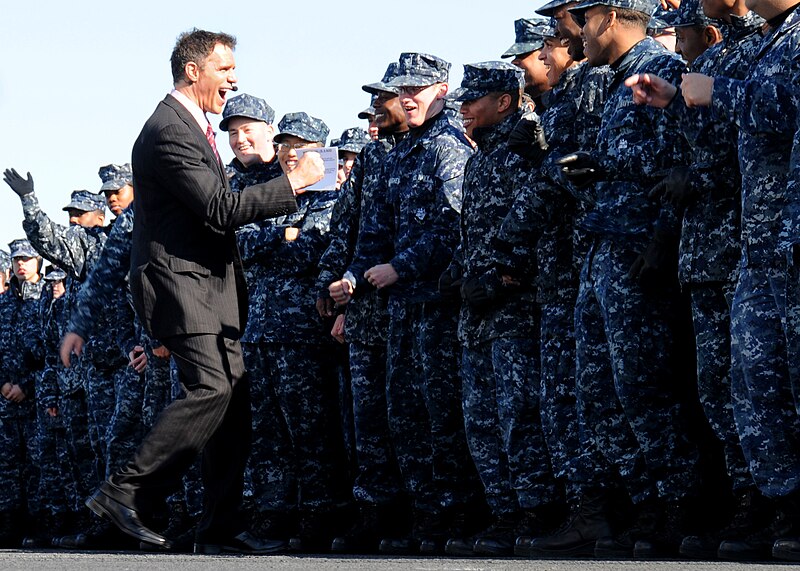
<point x="53" y="560"/>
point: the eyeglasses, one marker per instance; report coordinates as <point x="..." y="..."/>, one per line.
<point x="412" y="90"/>
<point x="295" y="146"/>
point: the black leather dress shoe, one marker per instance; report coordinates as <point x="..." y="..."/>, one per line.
<point x="125" y="518"/>
<point x="245" y="542"/>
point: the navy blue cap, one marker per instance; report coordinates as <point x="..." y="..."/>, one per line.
<point x="115" y="177"/>
<point x="529" y="34"/>
<point x="245" y="105"/>
<point x="303" y="126"/>
<point x="22" y="248"/>
<point x="419" y="70"/>
<point x="481" y="79"/>
<point x="85" y="201"/>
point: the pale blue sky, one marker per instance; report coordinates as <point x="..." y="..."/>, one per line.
<point x="80" y="78"/>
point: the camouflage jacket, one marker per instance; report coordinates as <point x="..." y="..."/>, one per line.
<point x="367" y="318"/>
<point x="106" y="289"/>
<point x="413" y="221"/>
<point x="547" y="210"/>
<point x="21" y="343"/>
<point x="710" y="234"/>
<point x="57" y="380"/>
<point x="492" y="179"/>
<point x="76" y="250"/>
<point x="635" y="145"/>
<point x="764" y="107"/>
<point x="282" y="294"/>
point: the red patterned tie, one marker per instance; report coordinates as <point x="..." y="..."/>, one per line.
<point x="211" y="140"/>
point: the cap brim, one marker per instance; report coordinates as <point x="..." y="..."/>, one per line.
<point x="583" y="6"/>
<point x="465" y="94"/>
<point x="223" y="125"/>
<point x="521" y="48"/>
<point x="378" y="88"/>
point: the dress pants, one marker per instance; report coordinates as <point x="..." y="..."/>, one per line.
<point x="213" y="417"/>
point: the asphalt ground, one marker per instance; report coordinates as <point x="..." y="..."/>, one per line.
<point x="12" y="560"/>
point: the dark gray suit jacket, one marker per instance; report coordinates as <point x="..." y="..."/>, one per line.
<point x="186" y="275"/>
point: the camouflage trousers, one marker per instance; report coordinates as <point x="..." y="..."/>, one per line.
<point x="157" y="392"/>
<point x="711" y="305"/>
<point x="19" y="474"/>
<point x="125" y="428"/>
<point x="297" y="427"/>
<point x="623" y="348"/>
<point x="576" y="462"/>
<point x="101" y="402"/>
<point x="270" y="478"/>
<point x="56" y="491"/>
<point x="763" y="404"/>
<point x="426" y="421"/>
<point x="503" y="426"/>
<point x="192" y="482"/>
<point x="377" y="479"/>
<point x="72" y="409"/>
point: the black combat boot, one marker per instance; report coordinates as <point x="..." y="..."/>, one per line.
<point x="588" y="521"/>
<point x="649" y="520"/>
<point x="364" y="535"/>
<point x="787" y="543"/>
<point x="678" y="521"/>
<point x="752" y="513"/>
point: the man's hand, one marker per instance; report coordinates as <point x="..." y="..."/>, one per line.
<point x="381" y="276"/>
<point x="527" y="139"/>
<point x="16" y="394"/>
<point x="19" y="185"/>
<point x="309" y="170"/>
<point x="697" y="89"/>
<point x="341" y="291"/>
<point x="674" y="187"/>
<point x="580" y="168"/>
<point x="137" y="359"/>
<point x="161" y="352"/>
<point x="337" y="332"/>
<point x="450" y="283"/>
<point x="667" y="4"/>
<point x="657" y="267"/>
<point x="71" y="344"/>
<point x="324" y="306"/>
<point x="52" y="411"/>
<point x="5" y="390"/>
<point x="649" y="89"/>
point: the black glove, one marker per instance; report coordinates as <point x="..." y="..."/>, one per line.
<point x="674" y="188"/>
<point x="656" y="268"/>
<point x="580" y="168"/>
<point x="480" y="292"/>
<point x="450" y="283"/>
<point x="527" y="139"/>
<point x="20" y="186"/>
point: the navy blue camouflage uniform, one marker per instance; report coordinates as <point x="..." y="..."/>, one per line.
<point x="709" y="246"/>
<point x="22" y="358"/>
<point x="293" y="349"/>
<point x="500" y="337"/>
<point x="545" y="214"/>
<point x="623" y="336"/>
<point x="764" y="108"/>
<point x="413" y="225"/>
<point x="377" y="478"/>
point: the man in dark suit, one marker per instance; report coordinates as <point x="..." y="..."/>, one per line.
<point x="189" y="291"/>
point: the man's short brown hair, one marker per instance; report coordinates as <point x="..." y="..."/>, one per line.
<point x="196" y="45"/>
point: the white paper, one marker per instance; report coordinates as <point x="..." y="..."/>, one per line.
<point x="330" y="156"/>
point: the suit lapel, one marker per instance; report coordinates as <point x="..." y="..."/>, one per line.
<point x="187" y="118"/>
